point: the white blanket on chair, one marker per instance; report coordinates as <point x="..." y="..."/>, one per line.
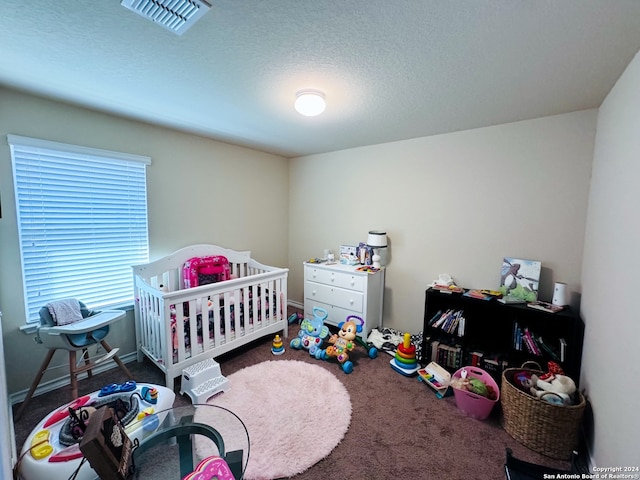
<point x="65" y="311"/>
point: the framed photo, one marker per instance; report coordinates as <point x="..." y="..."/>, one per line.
<point x="520" y="278"/>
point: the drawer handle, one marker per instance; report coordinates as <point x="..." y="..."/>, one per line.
<point x="313" y="292"/>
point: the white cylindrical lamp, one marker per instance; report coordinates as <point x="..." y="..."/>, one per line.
<point x="377" y="239"/>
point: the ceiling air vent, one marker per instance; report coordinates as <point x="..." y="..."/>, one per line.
<point x="175" y="15"/>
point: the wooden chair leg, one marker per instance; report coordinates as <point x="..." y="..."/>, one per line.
<point x="35" y="383"/>
<point x="87" y="361"/>
<point x="73" y="374"/>
<point x="116" y="359"/>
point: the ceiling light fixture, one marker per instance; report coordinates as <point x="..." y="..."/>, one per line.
<point x="310" y="102"/>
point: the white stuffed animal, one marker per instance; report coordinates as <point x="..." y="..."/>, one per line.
<point x="557" y="384"/>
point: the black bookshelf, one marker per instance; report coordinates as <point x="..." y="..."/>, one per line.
<point x="490" y="335"/>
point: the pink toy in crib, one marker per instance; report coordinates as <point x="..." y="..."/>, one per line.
<point x="204" y="270"/>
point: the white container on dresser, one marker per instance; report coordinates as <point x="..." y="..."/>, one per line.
<point x="342" y="291"/>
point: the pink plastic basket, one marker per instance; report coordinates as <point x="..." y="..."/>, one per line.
<point x="471" y="404"/>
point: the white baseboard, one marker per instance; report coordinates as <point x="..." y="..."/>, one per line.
<point x="296" y="304"/>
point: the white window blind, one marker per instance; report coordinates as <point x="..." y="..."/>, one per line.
<point x="82" y="221"/>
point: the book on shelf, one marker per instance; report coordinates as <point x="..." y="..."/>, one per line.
<point x="494" y="365"/>
<point x="434" y="350"/>
<point x="451" y="321"/>
<point x="433" y="319"/>
<point x="448" y="356"/>
<point x="479" y="294"/>
<point x="552" y="352"/>
<point x="447" y="288"/>
<point x="563" y="349"/>
<point x="530" y="343"/>
<point x="511" y="300"/>
<point x="475" y="358"/>
<point x="545" y="306"/>
<point x="517" y="336"/>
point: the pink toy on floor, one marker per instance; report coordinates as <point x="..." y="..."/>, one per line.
<point x="210" y="468"/>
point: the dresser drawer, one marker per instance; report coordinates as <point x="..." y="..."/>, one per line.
<point x="335" y="316"/>
<point x="337" y="278"/>
<point x="339" y="297"/>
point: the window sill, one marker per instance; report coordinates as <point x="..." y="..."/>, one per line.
<point x="29" y="328"/>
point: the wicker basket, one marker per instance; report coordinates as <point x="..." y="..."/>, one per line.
<point x="551" y="430"/>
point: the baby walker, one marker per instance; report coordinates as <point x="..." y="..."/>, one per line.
<point x="344" y="342"/>
<point x="52" y="449"/>
<point x="312" y="332"/>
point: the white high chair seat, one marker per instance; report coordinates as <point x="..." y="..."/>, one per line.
<point x="91" y="330"/>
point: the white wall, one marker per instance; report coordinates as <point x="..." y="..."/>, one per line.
<point x="455" y="203"/>
<point x="610" y="276"/>
<point x="8" y="454"/>
<point x="199" y="191"/>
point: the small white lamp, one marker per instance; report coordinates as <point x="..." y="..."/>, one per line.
<point x="310" y="102"/>
<point x="378" y="241"/>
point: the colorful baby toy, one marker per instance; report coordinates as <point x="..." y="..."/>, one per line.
<point x="344" y="342"/>
<point x="277" y="347"/>
<point x="312" y="332"/>
<point x="404" y="360"/>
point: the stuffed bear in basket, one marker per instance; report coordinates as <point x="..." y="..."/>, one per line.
<point x="554" y="386"/>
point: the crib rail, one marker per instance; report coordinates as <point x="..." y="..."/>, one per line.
<point x="177" y="327"/>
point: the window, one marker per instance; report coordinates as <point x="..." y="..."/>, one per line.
<point x="82" y="222"/>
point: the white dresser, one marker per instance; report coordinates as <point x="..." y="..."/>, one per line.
<point x="342" y="291"/>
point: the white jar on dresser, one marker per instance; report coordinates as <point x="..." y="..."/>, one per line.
<point x="342" y="291"/>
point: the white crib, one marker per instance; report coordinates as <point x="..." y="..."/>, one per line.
<point x="178" y="327"/>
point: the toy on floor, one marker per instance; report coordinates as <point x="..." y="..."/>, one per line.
<point x="213" y="467"/>
<point x="344" y="342"/>
<point x="474" y="385"/>
<point x="295" y="317"/>
<point x="52" y="449"/>
<point x="404" y="360"/>
<point x="277" y="347"/>
<point x="312" y="332"/>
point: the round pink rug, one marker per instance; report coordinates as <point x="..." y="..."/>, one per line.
<point x="295" y="413"/>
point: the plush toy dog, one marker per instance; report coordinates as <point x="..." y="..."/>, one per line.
<point x="553" y="387"/>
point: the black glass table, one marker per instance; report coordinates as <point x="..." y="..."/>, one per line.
<point x="176" y="440"/>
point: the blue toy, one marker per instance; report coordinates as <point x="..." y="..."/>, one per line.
<point x="312" y="332"/>
<point x="344" y="342"/>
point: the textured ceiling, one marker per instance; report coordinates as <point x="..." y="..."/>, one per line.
<point x="390" y="69"/>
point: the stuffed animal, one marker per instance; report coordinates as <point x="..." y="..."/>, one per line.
<point x="554" y="386"/>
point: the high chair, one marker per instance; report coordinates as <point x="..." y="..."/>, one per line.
<point x="79" y="335"/>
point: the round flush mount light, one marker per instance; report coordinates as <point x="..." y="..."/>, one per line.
<point x="310" y="103"/>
